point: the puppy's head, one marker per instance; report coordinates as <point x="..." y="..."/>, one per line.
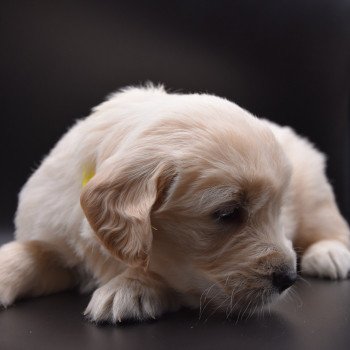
<point x="197" y="199"/>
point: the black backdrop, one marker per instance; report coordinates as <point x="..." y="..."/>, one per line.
<point x="285" y="60"/>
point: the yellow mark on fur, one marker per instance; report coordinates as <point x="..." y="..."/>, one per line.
<point x="88" y="174"/>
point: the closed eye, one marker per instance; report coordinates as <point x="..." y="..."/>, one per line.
<point x="228" y="215"/>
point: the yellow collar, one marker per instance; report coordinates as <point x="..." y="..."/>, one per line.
<point x="88" y="174"/>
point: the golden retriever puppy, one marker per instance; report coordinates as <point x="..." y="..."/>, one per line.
<point x="159" y="200"/>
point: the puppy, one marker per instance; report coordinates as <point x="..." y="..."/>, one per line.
<point x="159" y="200"/>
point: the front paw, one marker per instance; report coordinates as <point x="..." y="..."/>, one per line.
<point x="124" y="298"/>
<point x="328" y="259"/>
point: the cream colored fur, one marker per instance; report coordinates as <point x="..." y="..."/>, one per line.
<point x="145" y="231"/>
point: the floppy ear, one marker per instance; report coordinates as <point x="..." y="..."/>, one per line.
<point x="118" y="202"/>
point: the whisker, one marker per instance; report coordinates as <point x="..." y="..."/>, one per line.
<point x="253" y="311"/>
<point x="225" y="300"/>
<point x="295" y="294"/>
<point x="262" y="307"/>
<point x="246" y="297"/>
<point x="205" y="292"/>
<point x="231" y="301"/>
<point x="239" y="314"/>
<point x="247" y="308"/>
<point x="304" y="280"/>
<point x="233" y="306"/>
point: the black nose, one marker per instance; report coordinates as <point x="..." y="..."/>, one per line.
<point x="283" y="279"/>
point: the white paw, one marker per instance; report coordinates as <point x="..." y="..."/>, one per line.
<point x="128" y="299"/>
<point x="328" y="258"/>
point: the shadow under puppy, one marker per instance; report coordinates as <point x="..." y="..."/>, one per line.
<point x="158" y="200"/>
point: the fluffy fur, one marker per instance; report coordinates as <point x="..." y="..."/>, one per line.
<point x="193" y="199"/>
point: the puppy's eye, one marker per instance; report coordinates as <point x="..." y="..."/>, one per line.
<point x="228" y="215"/>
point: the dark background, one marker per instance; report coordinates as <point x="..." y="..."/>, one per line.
<point x="286" y="60"/>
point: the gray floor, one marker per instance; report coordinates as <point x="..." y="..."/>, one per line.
<point x="316" y="315"/>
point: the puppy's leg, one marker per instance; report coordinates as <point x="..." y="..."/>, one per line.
<point x="31" y="268"/>
<point x="323" y="237"/>
<point x="133" y="295"/>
